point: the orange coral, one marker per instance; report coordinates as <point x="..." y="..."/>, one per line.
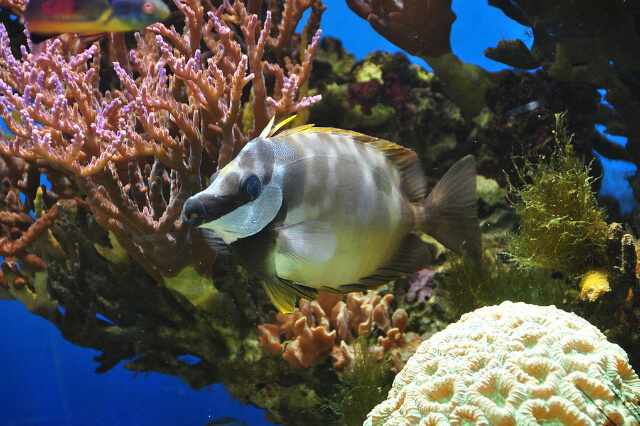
<point x="314" y="335"/>
<point x="310" y="344"/>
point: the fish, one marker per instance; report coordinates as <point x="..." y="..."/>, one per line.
<point x="319" y="208"/>
<point x="54" y="17"/>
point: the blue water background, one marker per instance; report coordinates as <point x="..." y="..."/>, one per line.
<point x="48" y="381"/>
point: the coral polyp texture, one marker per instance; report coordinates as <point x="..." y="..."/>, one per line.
<point x="514" y="364"/>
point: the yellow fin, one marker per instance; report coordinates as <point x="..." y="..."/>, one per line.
<point x="283" y="294"/>
<point x="311" y="128"/>
<point x="272" y="128"/>
<point x="281" y="124"/>
<point x="267" y="130"/>
<point x="105" y="16"/>
<point x="296" y="130"/>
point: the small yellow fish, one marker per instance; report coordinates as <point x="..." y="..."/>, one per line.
<point x="48" y="17"/>
<point x="327" y="209"/>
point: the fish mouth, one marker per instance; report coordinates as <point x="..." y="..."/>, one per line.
<point x="204" y="208"/>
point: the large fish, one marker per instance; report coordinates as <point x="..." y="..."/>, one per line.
<point x="49" y="17"/>
<point x="322" y="208"/>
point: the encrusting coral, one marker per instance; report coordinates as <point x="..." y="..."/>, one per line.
<point x="594" y="284"/>
<point x="310" y="335"/>
<point x="514" y="364"/>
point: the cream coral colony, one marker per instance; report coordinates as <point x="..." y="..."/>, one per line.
<point x="514" y="364"/>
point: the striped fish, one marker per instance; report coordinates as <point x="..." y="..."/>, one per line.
<point x="322" y="208"/>
<point x="51" y="17"/>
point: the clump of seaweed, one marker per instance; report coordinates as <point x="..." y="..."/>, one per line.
<point x="365" y="384"/>
<point x="470" y="284"/>
<point x="561" y="226"/>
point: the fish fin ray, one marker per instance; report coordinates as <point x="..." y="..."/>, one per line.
<point x="310" y="128"/>
<point x="215" y="242"/>
<point x="299" y="129"/>
<point x="450" y="210"/>
<point x="283" y="294"/>
<point x="267" y="130"/>
<point x="281" y="124"/>
<point x="271" y="129"/>
<point x="331" y="290"/>
<point x="350" y="288"/>
<point x="311" y="242"/>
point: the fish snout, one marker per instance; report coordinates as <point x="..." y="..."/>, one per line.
<point x="194" y="212"/>
<point x="203" y="208"/>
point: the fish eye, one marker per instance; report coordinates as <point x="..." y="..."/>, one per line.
<point x="148" y="7"/>
<point x="250" y="187"/>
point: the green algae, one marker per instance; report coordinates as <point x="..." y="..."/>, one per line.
<point x="561" y="226"/>
<point x="469" y="284"/>
<point x="365" y="384"/>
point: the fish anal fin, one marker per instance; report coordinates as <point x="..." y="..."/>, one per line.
<point x="283" y="294"/>
<point x="332" y="290"/>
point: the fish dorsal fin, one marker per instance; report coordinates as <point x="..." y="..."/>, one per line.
<point x="283" y="294"/>
<point x="310" y="128"/>
<point x="408" y="165"/>
<point x="300" y="129"/>
<point x="271" y="128"/>
<point x="267" y="130"/>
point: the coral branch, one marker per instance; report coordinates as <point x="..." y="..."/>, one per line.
<point x="139" y="149"/>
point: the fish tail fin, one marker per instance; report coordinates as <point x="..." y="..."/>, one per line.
<point x="450" y="210"/>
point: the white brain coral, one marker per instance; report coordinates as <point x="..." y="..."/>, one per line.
<point x="514" y="364"/>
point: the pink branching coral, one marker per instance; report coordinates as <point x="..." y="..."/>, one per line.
<point x="310" y="335"/>
<point x="183" y="104"/>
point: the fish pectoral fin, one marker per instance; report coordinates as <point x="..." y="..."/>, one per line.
<point x="89" y="38"/>
<point x="283" y="294"/>
<point x="310" y="242"/>
<point x="215" y="242"/>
